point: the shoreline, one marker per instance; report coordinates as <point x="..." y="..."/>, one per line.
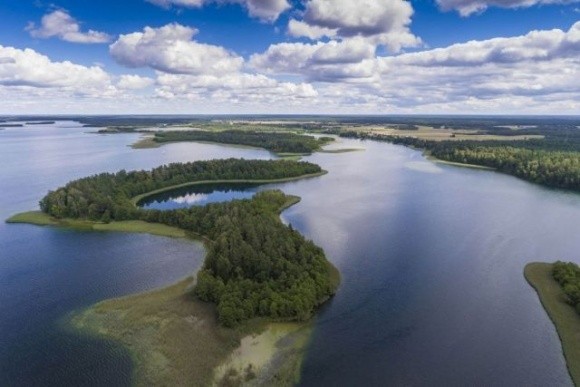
<point x="164" y="329"/>
<point x="147" y="141"/>
<point x="39" y="218"/>
<point x="434" y="159"/>
<point x="565" y="319"/>
<point x="135" y="200"/>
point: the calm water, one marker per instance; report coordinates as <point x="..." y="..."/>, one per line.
<point x="431" y="258"/>
<point x="200" y="195"/>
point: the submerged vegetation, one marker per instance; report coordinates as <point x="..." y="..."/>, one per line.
<point x="546" y="279"/>
<point x="255" y="266"/>
<point x="278" y="142"/>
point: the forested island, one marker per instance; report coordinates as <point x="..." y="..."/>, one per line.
<point x="552" y="162"/>
<point x="558" y="287"/>
<point x="256" y="270"/>
<point x="276" y="142"/>
<point x="255" y="266"/>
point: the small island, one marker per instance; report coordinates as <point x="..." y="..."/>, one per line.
<point x="281" y="143"/>
<point x="558" y="286"/>
<point x="261" y="280"/>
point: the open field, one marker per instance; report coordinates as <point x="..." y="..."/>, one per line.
<point x="439" y="134"/>
<point x="564" y="317"/>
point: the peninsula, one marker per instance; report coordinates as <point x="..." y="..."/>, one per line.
<point x="261" y="279"/>
<point x="558" y="287"/>
<point x="281" y="143"/>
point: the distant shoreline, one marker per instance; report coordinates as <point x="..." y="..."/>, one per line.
<point x="563" y="316"/>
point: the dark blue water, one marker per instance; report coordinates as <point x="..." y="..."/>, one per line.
<point x="200" y="195"/>
<point x="431" y="259"/>
<point x="45" y="273"/>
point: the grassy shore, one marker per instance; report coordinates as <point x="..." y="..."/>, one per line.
<point x="146" y="142"/>
<point x="456" y="164"/>
<point x="342" y="150"/>
<point x="41" y="219"/>
<point x="175" y="340"/>
<point x="564" y="317"/>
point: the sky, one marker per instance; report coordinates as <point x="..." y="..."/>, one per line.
<point x="290" y="57"/>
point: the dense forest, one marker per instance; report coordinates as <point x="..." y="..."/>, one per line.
<point x="552" y="162"/>
<point x="255" y="266"/>
<point x="568" y="276"/>
<point x="107" y="196"/>
<point x="274" y="142"/>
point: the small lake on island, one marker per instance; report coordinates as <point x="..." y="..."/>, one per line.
<point x="431" y="258"/>
<point x="200" y="195"/>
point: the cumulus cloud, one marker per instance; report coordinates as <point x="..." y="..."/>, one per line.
<point x="134" y="82"/>
<point x="468" y="7"/>
<point x="172" y="49"/>
<point x="315" y="61"/>
<point x="187" y="69"/>
<point x="247" y="89"/>
<point x="62" y="25"/>
<point x="28" y="68"/>
<point x="266" y="10"/>
<point x="496" y="73"/>
<point x="381" y="22"/>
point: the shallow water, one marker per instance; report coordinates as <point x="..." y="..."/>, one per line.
<point x="431" y="258"/>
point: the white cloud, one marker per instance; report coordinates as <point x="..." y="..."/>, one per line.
<point x="29" y="69"/>
<point x="315" y="61"/>
<point x="538" y="72"/>
<point x="381" y="22"/>
<point x="520" y="73"/>
<point x="134" y="82"/>
<point x="62" y="25"/>
<point x="172" y="49"/>
<point x="469" y="7"/>
<point x="299" y="28"/>
<point x="266" y="10"/>
<point x="234" y="89"/>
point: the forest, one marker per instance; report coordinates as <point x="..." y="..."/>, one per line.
<point x="274" y="142"/>
<point x="567" y="274"/>
<point x="552" y="162"/>
<point x="255" y="265"/>
<point x="107" y="196"/>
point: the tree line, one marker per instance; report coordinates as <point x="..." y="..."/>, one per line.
<point x="553" y="162"/>
<point x="277" y="142"/>
<point x="107" y="196"/>
<point x="567" y="274"/>
<point x="255" y="265"/>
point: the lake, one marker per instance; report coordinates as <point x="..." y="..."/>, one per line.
<point x="431" y="258"/>
<point x="199" y="195"/>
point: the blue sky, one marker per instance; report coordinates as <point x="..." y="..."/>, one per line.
<point x="290" y="56"/>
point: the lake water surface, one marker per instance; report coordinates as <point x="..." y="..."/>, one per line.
<point x="431" y="258"/>
<point x="199" y="195"/>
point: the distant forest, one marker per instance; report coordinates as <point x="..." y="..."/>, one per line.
<point x="255" y="265"/>
<point x="275" y="142"/>
<point x="552" y="162"/>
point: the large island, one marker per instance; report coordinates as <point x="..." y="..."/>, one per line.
<point x="261" y="280"/>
